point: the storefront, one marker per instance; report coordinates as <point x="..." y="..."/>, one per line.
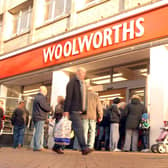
<point x="124" y="55"/>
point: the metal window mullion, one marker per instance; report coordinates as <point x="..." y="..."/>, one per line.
<point x="53" y="3"/>
<point x="65" y="5"/>
<point x="19" y="23"/>
<point x="28" y="18"/>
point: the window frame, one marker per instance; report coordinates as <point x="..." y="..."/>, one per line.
<point x="53" y="7"/>
<point x="90" y="5"/>
<point x="17" y="19"/>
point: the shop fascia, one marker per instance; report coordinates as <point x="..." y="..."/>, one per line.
<point x="117" y="33"/>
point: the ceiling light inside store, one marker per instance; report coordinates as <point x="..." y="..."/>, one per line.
<point x="29" y="94"/>
<point x="144" y="74"/>
<point x="143" y="70"/>
<point x="101" y="77"/>
<point x="111" y="95"/>
<point x="33" y="90"/>
<point x="139" y="91"/>
<point x="119" y="79"/>
<point x="110" y="98"/>
<point x="117" y="75"/>
<point x="100" y="82"/>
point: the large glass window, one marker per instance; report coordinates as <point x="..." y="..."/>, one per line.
<point x="55" y="8"/>
<point x="21" y="21"/>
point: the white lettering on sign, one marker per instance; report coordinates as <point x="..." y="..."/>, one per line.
<point x="97" y="39"/>
<point x="108" y="36"/>
<point x="86" y="41"/>
<point x="140" y="27"/>
<point x="74" y="50"/>
<point x="58" y="51"/>
<point x="67" y="49"/>
<point x="117" y="32"/>
<point x="48" y="53"/>
<point x="128" y="31"/>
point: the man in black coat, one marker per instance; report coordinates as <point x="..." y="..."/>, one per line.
<point x="40" y="111"/>
<point x="133" y="113"/>
<point x="75" y="106"/>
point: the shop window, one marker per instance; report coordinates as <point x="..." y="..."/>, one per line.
<point x="55" y="8"/>
<point x="86" y="3"/>
<point x="21" y="21"/>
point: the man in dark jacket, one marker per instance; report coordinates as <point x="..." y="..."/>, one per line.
<point x="19" y="122"/>
<point x="133" y="113"/>
<point x="76" y="105"/>
<point x="40" y="110"/>
<point x="114" y="126"/>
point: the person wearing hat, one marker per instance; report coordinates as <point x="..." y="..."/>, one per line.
<point x="19" y="122"/>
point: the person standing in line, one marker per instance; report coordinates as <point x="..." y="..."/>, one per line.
<point x="75" y="106"/>
<point x="133" y="113"/>
<point x="39" y="115"/>
<point x="19" y="120"/>
<point x="122" y="107"/>
<point x="104" y="129"/>
<point x="2" y="116"/>
<point x="94" y="113"/>
<point x="114" y="113"/>
<point x="59" y="109"/>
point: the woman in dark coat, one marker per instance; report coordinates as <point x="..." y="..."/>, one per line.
<point x="59" y="109"/>
<point x="133" y="113"/>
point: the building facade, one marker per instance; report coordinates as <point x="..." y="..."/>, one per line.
<point x="122" y="43"/>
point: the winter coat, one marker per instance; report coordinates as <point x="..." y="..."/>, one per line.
<point x="40" y="108"/>
<point x="19" y="117"/>
<point x="133" y="113"/>
<point x="94" y="107"/>
<point x="114" y="114"/>
<point x="73" y="100"/>
<point x="105" y="122"/>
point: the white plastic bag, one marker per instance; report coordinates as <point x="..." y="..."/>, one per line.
<point x="62" y="135"/>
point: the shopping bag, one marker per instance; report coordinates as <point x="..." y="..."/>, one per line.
<point x="62" y="135"/>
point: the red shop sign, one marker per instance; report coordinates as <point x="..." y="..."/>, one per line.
<point x="148" y="26"/>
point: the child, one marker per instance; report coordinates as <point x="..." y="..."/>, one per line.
<point x="144" y="126"/>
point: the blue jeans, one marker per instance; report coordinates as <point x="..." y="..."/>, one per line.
<point x="18" y="135"/>
<point x="104" y="131"/>
<point x="89" y="127"/>
<point x="38" y="134"/>
<point x="145" y="139"/>
<point x="78" y="129"/>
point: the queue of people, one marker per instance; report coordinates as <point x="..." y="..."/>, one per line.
<point x="115" y="127"/>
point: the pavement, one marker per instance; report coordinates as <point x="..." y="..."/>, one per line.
<point x="24" y="158"/>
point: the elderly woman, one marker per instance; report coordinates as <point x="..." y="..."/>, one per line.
<point x="133" y="112"/>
